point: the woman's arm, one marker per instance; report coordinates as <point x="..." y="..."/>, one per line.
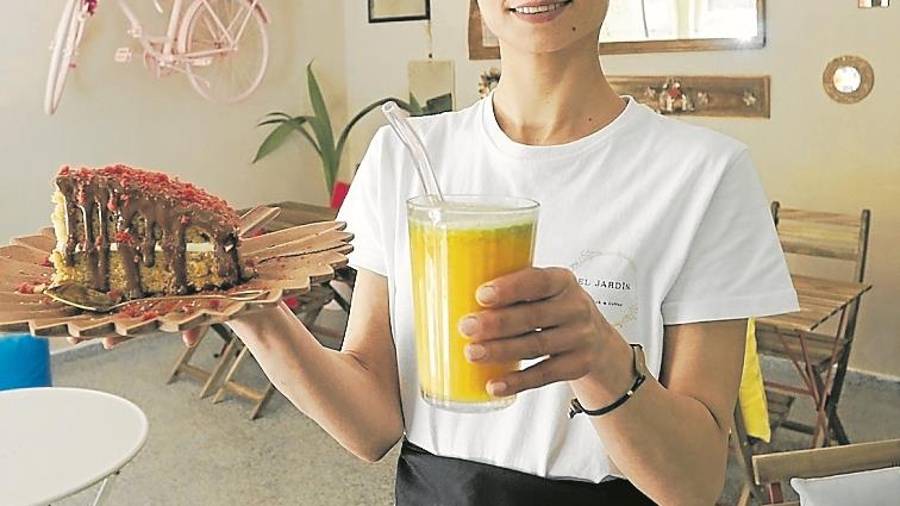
<point x="671" y="438"/>
<point x="353" y="393"/>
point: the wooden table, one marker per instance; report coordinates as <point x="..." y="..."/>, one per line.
<point x="820" y="300"/>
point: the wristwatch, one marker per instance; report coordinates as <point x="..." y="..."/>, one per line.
<point x="640" y="373"/>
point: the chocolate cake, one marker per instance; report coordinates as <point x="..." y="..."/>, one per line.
<point x="134" y="233"/>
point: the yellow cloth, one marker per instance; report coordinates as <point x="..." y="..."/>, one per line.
<point x="752" y="395"/>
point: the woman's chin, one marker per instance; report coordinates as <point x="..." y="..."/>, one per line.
<point x="536" y="44"/>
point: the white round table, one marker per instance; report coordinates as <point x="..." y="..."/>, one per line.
<point x="55" y="442"/>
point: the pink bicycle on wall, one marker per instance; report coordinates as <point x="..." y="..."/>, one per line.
<point x="222" y="46"/>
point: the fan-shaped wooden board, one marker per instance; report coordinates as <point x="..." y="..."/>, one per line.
<point x="287" y="262"/>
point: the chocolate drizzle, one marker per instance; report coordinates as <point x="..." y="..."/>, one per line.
<point x="148" y="208"/>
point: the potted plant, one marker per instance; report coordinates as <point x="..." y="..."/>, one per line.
<point x="318" y="131"/>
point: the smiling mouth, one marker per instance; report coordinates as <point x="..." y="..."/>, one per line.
<point x="540" y="9"/>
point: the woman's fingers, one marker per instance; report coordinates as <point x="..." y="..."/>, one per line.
<point x="565" y="367"/>
<point x="519" y="319"/>
<point x="531" y="345"/>
<point x="526" y="285"/>
<point x="113" y="341"/>
<point x="192" y="336"/>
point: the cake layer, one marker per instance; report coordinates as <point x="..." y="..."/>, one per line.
<point x="203" y="272"/>
<point x="141" y="233"/>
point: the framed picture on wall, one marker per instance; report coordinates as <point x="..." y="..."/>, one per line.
<point x="388" y="11"/>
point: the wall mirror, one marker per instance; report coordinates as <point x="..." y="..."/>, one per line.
<point x="848" y="79"/>
<point x="650" y="26"/>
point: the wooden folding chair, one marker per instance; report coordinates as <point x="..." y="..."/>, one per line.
<point x="821" y="359"/>
<point x="772" y="469"/>
<point x="744" y="446"/>
<point x="210" y="379"/>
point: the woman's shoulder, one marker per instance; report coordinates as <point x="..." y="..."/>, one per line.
<point x="677" y="136"/>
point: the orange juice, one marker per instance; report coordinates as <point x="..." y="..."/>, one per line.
<point x="454" y="248"/>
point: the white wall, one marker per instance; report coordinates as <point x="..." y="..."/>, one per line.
<point x="118" y="113"/>
<point x="812" y="153"/>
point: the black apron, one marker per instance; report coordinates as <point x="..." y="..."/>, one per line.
<point x="424" y="479"/>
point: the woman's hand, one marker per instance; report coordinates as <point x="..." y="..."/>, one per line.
<point x="542" y="312"/>
<point x="189" y="337"/>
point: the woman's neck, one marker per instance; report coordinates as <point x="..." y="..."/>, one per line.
<point x="554" y="98"/>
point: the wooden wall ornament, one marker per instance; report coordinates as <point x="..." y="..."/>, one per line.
<point x="848" y="79"/>
<point x="487" y="81"/>
<point x="717" y="96"/>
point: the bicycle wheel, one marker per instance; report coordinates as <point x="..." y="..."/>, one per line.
<point x="62" y="52"/>
<point x="217" y="70"/>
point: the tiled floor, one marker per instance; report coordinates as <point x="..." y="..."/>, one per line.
<point x="204" y="454"/>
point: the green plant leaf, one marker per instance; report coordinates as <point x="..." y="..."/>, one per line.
<point x="321" y="125"/>
<point x="299" y="123"/>
<point x="272" y="121"/>
<point x="342" y="140"/>
<point x="278" y="114"/>
<point x="280" y="133"/>
<point x="275" y="139"/>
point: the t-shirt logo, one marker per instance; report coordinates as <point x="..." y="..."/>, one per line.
<point x="612" y="280"/>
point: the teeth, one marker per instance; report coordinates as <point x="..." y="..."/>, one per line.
<point x="539" y="9"/>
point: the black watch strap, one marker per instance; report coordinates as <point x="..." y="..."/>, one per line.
<point x="637" y="352"/>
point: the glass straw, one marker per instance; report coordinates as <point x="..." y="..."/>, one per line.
<point x="397" y="119"/>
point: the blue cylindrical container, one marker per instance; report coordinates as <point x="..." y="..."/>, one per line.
<point x="24" y="362"/>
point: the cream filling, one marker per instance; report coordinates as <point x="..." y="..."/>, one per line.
<point x="193" y="247"/>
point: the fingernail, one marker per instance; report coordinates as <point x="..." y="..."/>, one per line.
<point x="72" y="340"/>
<point x="496" y="388"/>
<point x="187" y="342"/>
<point x="486" y="294"/>
<point x="475" y="351"/>
<point x="108" y="346"/>
<point x="468" y="325"/>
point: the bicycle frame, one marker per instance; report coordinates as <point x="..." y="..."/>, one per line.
<point x="168" y="56"/>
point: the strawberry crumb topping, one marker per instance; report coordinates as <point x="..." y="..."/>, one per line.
<point x="123" y="237"/>
<point x="149" y="315"/>
<point x="159" y="183"/>
<point x="25" y="288"/>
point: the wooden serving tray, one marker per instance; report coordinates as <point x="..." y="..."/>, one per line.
<point x="287" y="262"/>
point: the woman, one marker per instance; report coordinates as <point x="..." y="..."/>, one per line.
<point x="652" y="232"/>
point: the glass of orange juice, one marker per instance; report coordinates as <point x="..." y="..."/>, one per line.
<point x="456" y="246"/>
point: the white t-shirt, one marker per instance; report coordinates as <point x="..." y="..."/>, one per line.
<point x="662" y="222"/>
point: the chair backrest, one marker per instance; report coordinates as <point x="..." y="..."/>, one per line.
<point x="821" y="462"/>
<point x="827" y="235"/>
